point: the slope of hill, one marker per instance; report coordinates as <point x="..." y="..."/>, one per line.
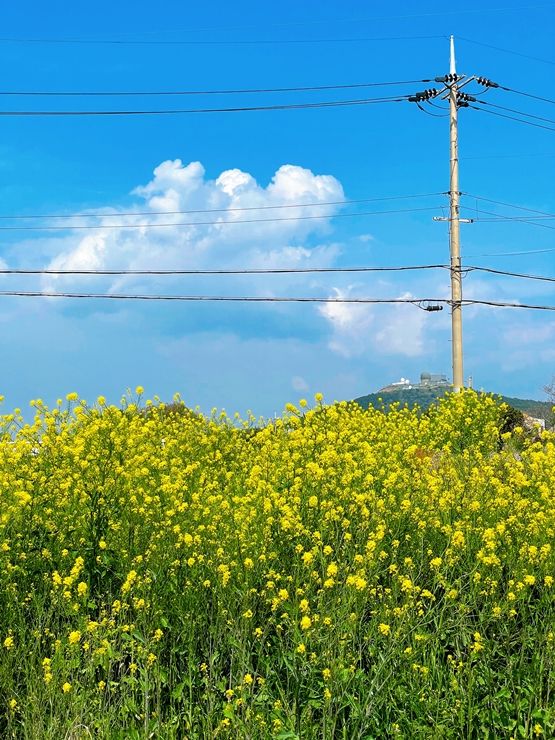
<point x="424" y="397"/>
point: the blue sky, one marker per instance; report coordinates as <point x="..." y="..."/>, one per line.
<point x="261" y="356"/>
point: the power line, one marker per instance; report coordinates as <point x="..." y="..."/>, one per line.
<point x="201" y="42"/>
<point x="509" y="156"/>
<point x="526" y="94"/>
<point x="509" y="205"/>
<point x="247" y="271"/>
<point x="526" y="276"/>
<point x="429" y="113"/>
<point x="207" y="298"/>
<point x="506" y="51"/>
<point x="522" y="219"/>
<point x="331" y="21"/>
<point x="89" y="227"/>
<point x="245" y="91"/>
<point x="506" y="304"/>
<point x="261" y="299"/>
<point x="519" y="112"/>
<point x="366" y="19"/>
<point x="310" y="22"/>
<point x="236" y="109"/>
<point x="512" y="118"/>
<point x="269" y="271"/>
<point x="512" y="254"/>
<point x="220" y="210"/>
<point x="502" y="217"/>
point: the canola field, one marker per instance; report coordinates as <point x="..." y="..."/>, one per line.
<point x="335" y="573"/>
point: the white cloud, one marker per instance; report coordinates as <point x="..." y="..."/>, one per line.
<point x="403" y="331"/>
<point x="273" y="236"/>
<point x="528" y="342"/>
<point x="299" y="384"/>
<point x="359" y="328"/>
<point x="350" y="323"/>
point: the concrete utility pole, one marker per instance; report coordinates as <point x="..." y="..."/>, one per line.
<point x="451" y="91"/>
<point x="454" y="228"/>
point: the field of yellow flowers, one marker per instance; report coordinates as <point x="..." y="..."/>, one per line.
<point x="336" y="573"/>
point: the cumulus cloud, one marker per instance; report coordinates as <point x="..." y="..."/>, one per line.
<point x="204" y="237"/>
<point x="350" y="323"/>
<point x="359" y="328"/>
<point x="234" y="222"/>
<point x="402" y="333"/>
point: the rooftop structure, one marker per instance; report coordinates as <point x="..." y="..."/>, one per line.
<point x="427" y="380"/>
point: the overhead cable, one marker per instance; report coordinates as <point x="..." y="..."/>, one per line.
<point x="310" y="22"/>
<point x="210" y="223"/>
<point x="202" y="42"/>
<point x="512" y="254"/>
<point x="508" y="205"/>
<point x="273" y="299"/>
<point x="517" y="155"/>
<point x="522" y="219"/>
<point x="226" y="209"/>
<point x="526" y="276"/>
<point x="503" y="217"/>
<point x="506" y="51"/>
<point x="175" y="111"/>
<point x="526" y="94"/>
<point x="518" y="112"/>
<point x="244" y="91"/>
<point x="512" y="118"/>
<point x="217" y="298"/>
<point x="247" y="271"/>
<point x="507" y="304"/>
<point x="268" y="271"/>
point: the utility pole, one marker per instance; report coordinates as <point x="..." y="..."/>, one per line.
<point x="452" y="84"/>
<point x="451" y="91"/>
<point x="454" y="228"/>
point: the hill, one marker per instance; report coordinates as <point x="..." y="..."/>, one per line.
<point x="424" y="397"/>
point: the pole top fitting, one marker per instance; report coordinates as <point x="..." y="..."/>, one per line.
<point x="452" y="63"/>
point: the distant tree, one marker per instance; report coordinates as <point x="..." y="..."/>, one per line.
<point x="549" y="390"/>
<point x="510" y="418"/>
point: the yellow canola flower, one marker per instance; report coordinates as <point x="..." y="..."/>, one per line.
<point x="306" y="623"/>
<point x="327" y="524"/>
